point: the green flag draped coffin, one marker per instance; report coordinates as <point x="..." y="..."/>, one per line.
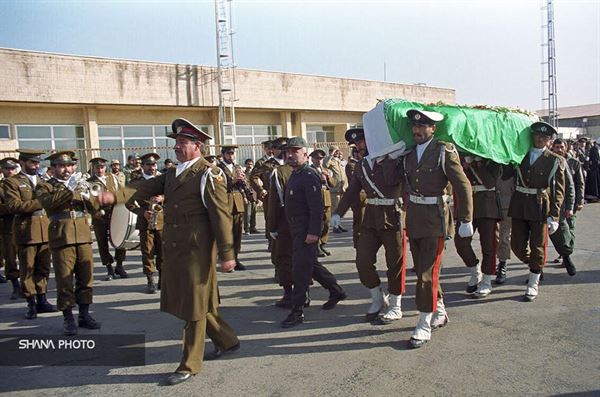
<point x="499" y="134"/>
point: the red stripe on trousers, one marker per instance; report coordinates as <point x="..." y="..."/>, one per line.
<point x="434" y="276"/>
<point x="403" y="274"/>
<point x="545" y="247"/>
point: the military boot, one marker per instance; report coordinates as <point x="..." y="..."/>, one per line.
<point x="85" y="320"/>
<point x="569" y="265"/>
<point x="394" y="310"/>
<point x="158" y="285"/>
<point x="43" y="306"/>
<point x="2" y="279"/>
<point x="16" y="292"/>
<point x="379" y="301"/>
<point x="336" y="294"/>
<point x="533" y="283"/>
<point x="320" y="252"/>
<point x="110" y="273"/>
<point x="322" y="247"/>
<point x="286" y="301"/>
<point x="501" y="273"/>
<point x="120" y="270"/>
<point x="296" y="317"/>
<point x="422" y="332"/>
<point x="31" y="309"/>
<point x="69" y="326"/>
<point x="475" y="278"/>
<point x="151" y="287"/>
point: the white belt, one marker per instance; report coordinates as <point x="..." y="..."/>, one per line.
<point x="482" y="188"/>
<point x="427" y="200"/>
<point x="528" y="190"/>
<point x="381" y="201"/>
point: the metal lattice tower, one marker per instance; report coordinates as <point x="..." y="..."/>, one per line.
<point x="225" y="71"/>
<point x="549" y="93"/>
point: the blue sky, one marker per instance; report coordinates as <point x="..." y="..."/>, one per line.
<point x="488" y="50"/>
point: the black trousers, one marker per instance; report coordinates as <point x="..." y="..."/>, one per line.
<point x="305" y="266"/>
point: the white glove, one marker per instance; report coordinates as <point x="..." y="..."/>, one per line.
<point x="465" y="229"/>
<point x="336" y="221"/>
<point x="273" y="235"/>
<point x="552" y="225"/>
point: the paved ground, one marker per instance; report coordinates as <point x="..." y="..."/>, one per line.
<point x="497" y="346"/>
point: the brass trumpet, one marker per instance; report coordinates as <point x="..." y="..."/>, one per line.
<point x="156" y="209"/>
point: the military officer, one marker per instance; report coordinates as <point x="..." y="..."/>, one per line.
<point x="304" y="213"/>
<point x="134" y="163"/>
<point x="101" y="220"/>
<point x="334" y="164"/>
<point x="197" y="227"/>
<point x="261" y="175"/>
<point x="70" y="240"/>
<point x="564" y="238"/>
<point x="327" y="182"/>
<point x="149" y="223"/>
<point x="30" y="230"/>
<point x="115" y="169"/>
<point x="505" y="189"/>
<point x="427" y="171"/>
<point x="8" y="249"/>
<point x="359" y="204"/>
<point x="535" y="204"/>
<point x="482" y="175"/>
<point x="234" y="175"/>
<point x="380" y="226"/>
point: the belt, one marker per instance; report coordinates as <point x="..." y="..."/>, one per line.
<point x="34" y="213"/>
<point x="529" y="190"/>
<point x="427" y="200"/>
<point x="67" y="215"/>
<point x="381" y="201"/>
<point x="482" y="188"/>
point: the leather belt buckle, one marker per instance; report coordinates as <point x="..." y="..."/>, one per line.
<point x="72" y="214"/>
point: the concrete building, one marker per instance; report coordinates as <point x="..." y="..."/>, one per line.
<point x="575" y="121"/>
<point x="112" y="107"/>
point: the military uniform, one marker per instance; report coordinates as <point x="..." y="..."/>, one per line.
<point x="101" y="224"/>
<point x="358" y="205"/>
<point x="334" y="165"/>
<point x="30" y="230"/>
<point x="327" y="182"/>
<point x="260" y="182"/>
<point x="70" y="241"/>
<point x="505" y="189"/>
<point x="8" y="248"/>
<point x="482" y="175"/>
<point x="536" y="202"/>
<point x="151" y="233"/>
<point x="197" y="227"/>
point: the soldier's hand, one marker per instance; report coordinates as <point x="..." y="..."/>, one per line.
<point x="227" y="266"/>
<point x="311" y="238"/>
<point x="106" y="198"/>
<point x="273" y="235"/>
<point x="579" y="208"/>
<point x="568" y="214"/>
<point x="552" y="225"/>
<point x="147" y="215"/>
<point x="465" y="229"/>
<point x="263" y="194"/>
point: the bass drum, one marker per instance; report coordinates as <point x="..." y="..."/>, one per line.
<point x="122" y="233"/>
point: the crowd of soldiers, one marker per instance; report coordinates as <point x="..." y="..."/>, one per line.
<point x="196" y="212"/>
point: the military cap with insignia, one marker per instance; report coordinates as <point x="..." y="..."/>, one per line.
<point x="30" y="154"/>
<point x="542" y="128"/>
<point x="318" y="153"/>
<point x="228" y="148"/>
<point x="134" y="156"/>
<point x="185" y="128"/>
<point x="355" y="134"/>
<point x="583" y="139"/>
<point x="115" y="162"/>
<point x="150" y="158"/>
<point x="422" y="117"/>
<point x="98" y="161"/>
<point x="267" y="143"/>
<point x="9" y="163"/>
<point x="279" y="143"/>
<point x="66" y="157"/>
<point x="296" y="142"/>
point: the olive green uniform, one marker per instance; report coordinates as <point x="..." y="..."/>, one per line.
<point x="358" y="205"/>
<point x="338" y="173"/>
<point x="236" y="206"/>
<point x="260" y="181"/>
<point x="70" y="242"/>
<point x="197" y="226"/>
<point x="8" y="248"/>
<point x="325" y="189"/>
<point x="30" y="231"/>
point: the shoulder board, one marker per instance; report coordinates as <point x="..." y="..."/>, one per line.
<point x="216" y="174"/>
<point x="448" y="146"/>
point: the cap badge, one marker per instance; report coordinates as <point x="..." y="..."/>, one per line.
<point x="417" y="116"/>
<point x="543" y="129"/>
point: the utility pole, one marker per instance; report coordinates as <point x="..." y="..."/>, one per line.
<point x="549" y="91"/>
<point x="225" y="71"/>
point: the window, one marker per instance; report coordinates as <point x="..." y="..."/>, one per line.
<point x="4" y="132"/>
<point x="254" y="135"/>
<point x="320" y="133"/>
<point x="50" y="137"/>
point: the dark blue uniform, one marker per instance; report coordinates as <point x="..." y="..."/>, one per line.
<point x="304" y="212"/>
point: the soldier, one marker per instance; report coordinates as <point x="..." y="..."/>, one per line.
<point x="304" y="213"/>
<point x="115" y="169"/>
<point x="327" y="182"/>
<point x="380" y="226"/>
<point x="197" y="228"/>
<point x="564" y="238"/>
<point x="482" y="174"/>
<point x="70" y="240"/>
<point x="235" y="177"/>
<point x="427" y="171"/>
<point x="149" y="223"/>
<point x="334" y="164"/>
<point x="505" y="189"/>
<point x="359" y="204"/>
<point x="134" y="163"/>
<point x="535" y="204"/>
<point x="30" y="230"/>
<point x="101" y="221"/>
<point x="8" y="249"/>
<point x="259" y="179"/>
<point x="249" y="205"/>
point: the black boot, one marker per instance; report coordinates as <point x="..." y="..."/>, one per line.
<point x="43" y="306"/>
<point x="336" y="294"/>
<point x="2" y="279"/>
<point x="110" y="273"/>
<point x="151" y="287"/>
<point x="159" y="282"/>
<point x="322" y="247"/>
<point x="569" y="265"/>
<point x="286" y="301"/>
<point x="16" y="292"/>
<point x="239" y="265"/>
<point x="320" y="252"/>
<point x="85" y="320"/>
<point x="296" y="317"/>
<point x="31" y="309"/>
<point x="120" y="270"/>
<point x="501" y="273"/>
<point x="69" y="326"/>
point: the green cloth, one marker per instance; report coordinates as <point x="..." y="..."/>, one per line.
<point x="500" y="134"/>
